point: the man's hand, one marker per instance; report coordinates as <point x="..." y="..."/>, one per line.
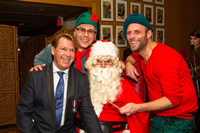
<point x="37" y="67"/>
<point x="131" y="71"/>
<point x="130" y="109"/>
<point x="156" y="105"/>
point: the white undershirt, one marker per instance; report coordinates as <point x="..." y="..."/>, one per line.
<point x="56" y="78"/>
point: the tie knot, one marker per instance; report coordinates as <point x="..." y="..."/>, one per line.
<point x="60" y="74"/>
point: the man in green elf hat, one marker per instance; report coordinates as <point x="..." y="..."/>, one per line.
<point x="85" y="31"/>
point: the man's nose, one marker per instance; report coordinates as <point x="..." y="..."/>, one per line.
<point x="67" y="53"/>
<point x="132" y="35"/>
<point x="103" y="64"/>
<point x="86" y="33"/>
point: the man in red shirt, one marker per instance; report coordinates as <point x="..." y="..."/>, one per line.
<point x="172" y="96"/>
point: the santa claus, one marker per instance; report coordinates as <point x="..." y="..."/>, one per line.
<point x="109" y="91"/>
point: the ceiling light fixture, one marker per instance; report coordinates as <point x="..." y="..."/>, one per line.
<point x="41" y="10"/>
<point x="21" y="23"/>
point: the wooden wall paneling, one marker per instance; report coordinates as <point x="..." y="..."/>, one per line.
<point x="9" y="93"/>
<point x="181" y="19"/>
<point x="49" y="40"/>
<point x="26" y="58"/>
<point x="28" y="50"/>
<point x="39" y="43"/>
<point x="81" y="3"/>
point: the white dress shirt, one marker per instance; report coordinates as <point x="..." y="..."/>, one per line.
<point x="56" y="78"/>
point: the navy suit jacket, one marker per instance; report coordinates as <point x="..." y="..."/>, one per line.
<point x="36" y="108"/>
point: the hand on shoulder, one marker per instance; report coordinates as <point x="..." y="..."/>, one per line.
<point x="37" y="67"/>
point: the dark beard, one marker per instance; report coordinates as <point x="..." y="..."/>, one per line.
<point x="143" y="43"/>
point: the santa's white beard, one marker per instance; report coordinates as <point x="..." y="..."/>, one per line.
<point x="104" y="86"/>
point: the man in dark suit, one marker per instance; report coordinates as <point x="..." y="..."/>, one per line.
<point x="36" y="110"/>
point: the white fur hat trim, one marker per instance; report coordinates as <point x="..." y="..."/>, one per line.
<point x="104" y="48"/>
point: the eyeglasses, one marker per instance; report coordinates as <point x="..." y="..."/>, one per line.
<point x="106" y="62"/>
<point x="83" y="31"/>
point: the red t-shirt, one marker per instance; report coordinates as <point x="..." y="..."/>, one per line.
<point x="167" y="74"/>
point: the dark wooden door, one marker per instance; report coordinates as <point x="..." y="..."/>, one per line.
<point x="28" y="49"/>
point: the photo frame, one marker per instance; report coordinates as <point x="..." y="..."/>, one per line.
<point x="135" y="7"/>
<point x="160" y="16"/>
<point x="148" y="13"/>
<point x="160" y="35"/>
<point x="106" y="10"/>
<point x="106" y="32"/>
<point x="148" y="1"/>
<point x="121" y="10"/>
<point x="119" y="36"/>
<point x="161" y="2"/>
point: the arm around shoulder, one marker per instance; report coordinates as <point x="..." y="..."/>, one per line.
<point x="130" y="69"/>
<point x="130" y="59"/>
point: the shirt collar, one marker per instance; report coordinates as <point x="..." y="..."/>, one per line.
<point x="55" y="69"/>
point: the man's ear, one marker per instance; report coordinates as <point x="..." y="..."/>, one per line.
<point x="52" y="49"/>
<point x="95" y="37"/>
<point x="149" y="33"/>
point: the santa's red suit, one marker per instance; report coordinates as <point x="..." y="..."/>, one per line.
<point x="137" y="123"/>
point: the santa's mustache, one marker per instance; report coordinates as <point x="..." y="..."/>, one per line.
<point x="101" y="73"/>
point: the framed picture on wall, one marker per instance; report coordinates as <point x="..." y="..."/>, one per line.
<point x="121" y="10"/>
<point x="106" y="10"/>
<point x="148" y="13"/>
<point x="106" y="32"/>
<point x="161" y="2"/>
<point x="120" y="38"/>
<point x="135" y="7"/>
<point x="160" y="16"/>
<point x="160" y="35"/>
<point x="148" y="1"/>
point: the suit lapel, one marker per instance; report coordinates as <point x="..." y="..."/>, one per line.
<point x="70" y="93"/>
<point x="50" y="89"/>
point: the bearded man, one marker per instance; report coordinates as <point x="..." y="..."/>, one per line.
<point x="171" y="92"/>
<point x="109" y="91"/>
